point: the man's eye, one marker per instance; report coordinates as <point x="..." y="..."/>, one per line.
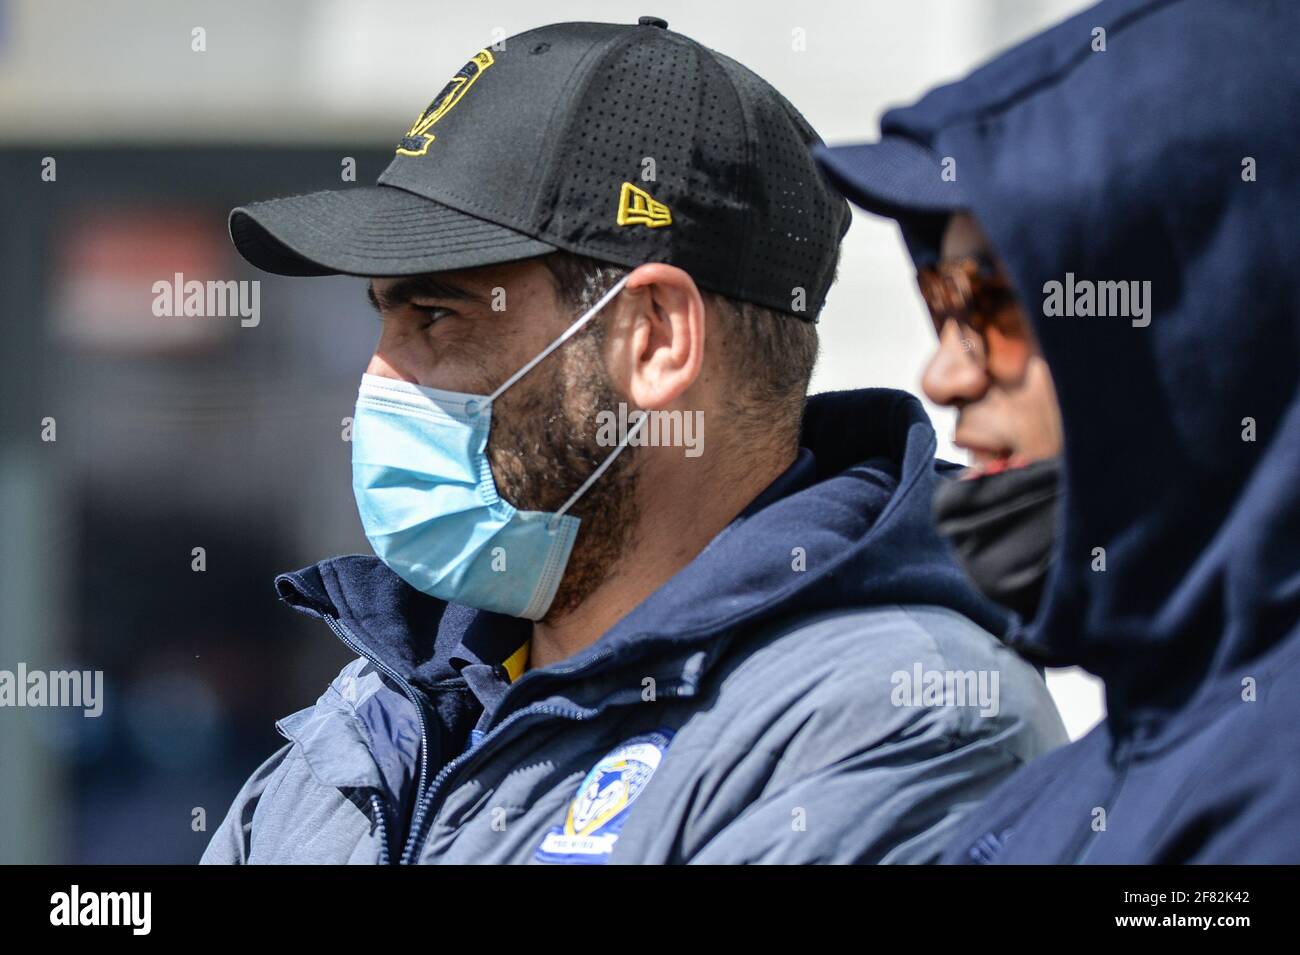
<point x="431" y="313"/>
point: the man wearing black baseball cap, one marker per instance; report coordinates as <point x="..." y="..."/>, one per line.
<point x="591" y="634"/>
<point x="1116" y="199"/>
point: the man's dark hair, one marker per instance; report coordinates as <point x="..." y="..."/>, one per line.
<point x="769" y="354"/>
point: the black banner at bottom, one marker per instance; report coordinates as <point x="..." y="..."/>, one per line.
<point x="253" y="906"/>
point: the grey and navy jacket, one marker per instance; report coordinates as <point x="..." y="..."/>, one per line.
<point x="820" y="684"/>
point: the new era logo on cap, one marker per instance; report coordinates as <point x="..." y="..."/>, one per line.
<point x="628" y="144"/>
<point x="638" y="207"/>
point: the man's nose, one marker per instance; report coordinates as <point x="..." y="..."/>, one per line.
<point x="955" y="373"/>
<point x="394" y="355"/>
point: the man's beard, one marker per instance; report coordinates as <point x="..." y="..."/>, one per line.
<point x="542" y="447"/>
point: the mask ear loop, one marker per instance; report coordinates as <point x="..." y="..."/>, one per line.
<point x="595" y="475"/>
<point x="541" y="356"/>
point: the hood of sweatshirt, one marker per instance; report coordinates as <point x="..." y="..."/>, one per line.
<point x="1165" y="164"/>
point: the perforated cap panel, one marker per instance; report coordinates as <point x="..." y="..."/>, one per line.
<point x="752" y="216"/>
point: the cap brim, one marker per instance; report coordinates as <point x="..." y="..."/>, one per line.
<point x="371" y="231"/>
<point x="893" y="177"/>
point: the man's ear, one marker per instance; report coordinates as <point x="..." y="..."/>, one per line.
<point x="659" y="349"/>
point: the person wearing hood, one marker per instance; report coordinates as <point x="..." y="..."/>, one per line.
<point x="594" y="631"/>
<point x="1115" y="200"/>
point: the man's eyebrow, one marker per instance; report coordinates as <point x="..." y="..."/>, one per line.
<point x="417" y="286"/>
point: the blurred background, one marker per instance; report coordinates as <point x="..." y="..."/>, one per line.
<point x="176" y="434"/>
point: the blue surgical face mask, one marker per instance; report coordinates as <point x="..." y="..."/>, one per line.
<point x="430" y="507"/>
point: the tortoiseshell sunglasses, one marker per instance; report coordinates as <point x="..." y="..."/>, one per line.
<point x="974" y="292"/>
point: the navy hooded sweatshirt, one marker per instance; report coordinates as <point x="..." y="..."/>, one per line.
<point x="1171" y="158"/>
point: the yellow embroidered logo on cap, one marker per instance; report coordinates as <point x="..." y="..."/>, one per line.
<point x="636" y="207"/>
<point x="417" y="138"/>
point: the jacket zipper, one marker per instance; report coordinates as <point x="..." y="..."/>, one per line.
<point x="425" y="811"/>
<point x="425" y="792"/>
<point x="359" y="648"/>
<point x="377" y="804"/>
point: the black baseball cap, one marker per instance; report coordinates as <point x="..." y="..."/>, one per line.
<point x="625" y="143"/>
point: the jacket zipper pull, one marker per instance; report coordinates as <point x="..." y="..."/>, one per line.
<point x="379" y="822"/>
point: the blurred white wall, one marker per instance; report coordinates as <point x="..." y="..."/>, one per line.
<point x="356" y="73"/>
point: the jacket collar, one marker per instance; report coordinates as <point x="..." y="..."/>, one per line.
<point x="498" y="641"/>
<point x="852" y="511"/>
